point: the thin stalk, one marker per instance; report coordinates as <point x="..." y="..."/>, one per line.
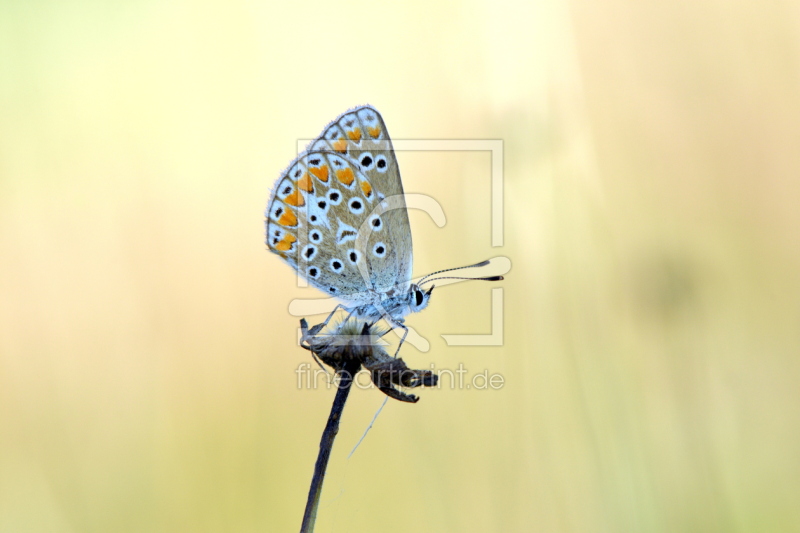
<point x="346" y="376"/>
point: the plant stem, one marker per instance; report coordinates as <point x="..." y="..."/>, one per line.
<point x="346" y="376"/>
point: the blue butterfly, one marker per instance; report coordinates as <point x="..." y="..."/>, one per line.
<point x="338" y="216"/>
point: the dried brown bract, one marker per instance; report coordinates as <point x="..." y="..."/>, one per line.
<point x="358" y="342"/>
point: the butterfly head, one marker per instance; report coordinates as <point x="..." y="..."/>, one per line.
<point x="418" y="298"/>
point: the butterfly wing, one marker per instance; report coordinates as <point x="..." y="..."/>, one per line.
<point x="361" y="135"/>
<point x="337" y="215"/>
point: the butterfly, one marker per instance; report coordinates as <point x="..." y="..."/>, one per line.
<point x="338" y="216"/>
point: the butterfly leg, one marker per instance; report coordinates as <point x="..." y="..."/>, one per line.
<point x="399" y="324"/>
<point x="319" y="327"/>
<point x="393" y="323"/>
<point x="350" y="314"/>
<point x="402" y="339"/>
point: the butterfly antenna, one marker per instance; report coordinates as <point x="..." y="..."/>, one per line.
<point x="482" y="263"/>
<point x="488" y="278"/>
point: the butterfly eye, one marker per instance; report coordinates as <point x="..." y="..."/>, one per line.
<point x="336" y="266"/>
<point x="366" y="161"/>
<point x="418" y="298"/>
<point x="381" y="164"/>
<point x="334" y="197"/>
<point x="356" y="206"/>
<point x="379" y="250"/>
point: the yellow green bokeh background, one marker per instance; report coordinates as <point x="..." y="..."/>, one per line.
<point x="651" y="317"/>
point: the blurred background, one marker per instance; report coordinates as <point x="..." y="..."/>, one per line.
<point x="651" y="318"/>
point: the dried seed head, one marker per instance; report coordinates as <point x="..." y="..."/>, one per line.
<point x="358" y="341"/>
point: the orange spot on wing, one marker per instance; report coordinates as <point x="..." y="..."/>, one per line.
<point x="286" y="243"/>
<point x="345" y="175"/>
<point x="374" y="132"/>
<point x="321" y="173"/>
<point x="295" y="199"/>
<point x="288" y="218"/>
<point x="366" y="188"/>
<point x="340" y="146"/>
<point x="355" y="135"/>
<point x="304" y="183"/>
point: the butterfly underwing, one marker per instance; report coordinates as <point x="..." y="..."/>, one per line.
<point x="337" y="214"/>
